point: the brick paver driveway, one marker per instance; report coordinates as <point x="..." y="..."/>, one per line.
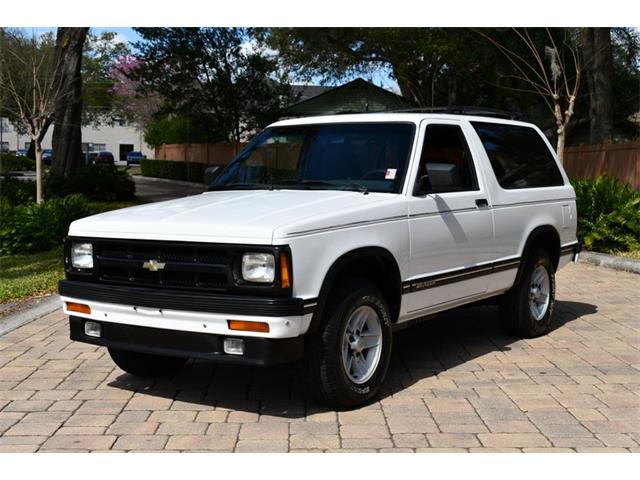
<point x="456" y="383"/>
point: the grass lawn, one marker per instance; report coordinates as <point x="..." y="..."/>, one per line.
<point x="36" y="274"/>
<point x="30" y="275"/>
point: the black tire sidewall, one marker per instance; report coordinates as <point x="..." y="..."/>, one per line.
<point x="335" y="387"/>
<point x="374" y="300"/>
<point x="527" y="324"/>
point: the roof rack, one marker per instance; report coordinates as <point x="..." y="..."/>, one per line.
<point x="464" y="110"/>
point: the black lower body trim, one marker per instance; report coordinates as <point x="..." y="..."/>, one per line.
<point x="187" y="301"/>
<point x="433" y="281"/>
<point x="572" y="248"/>
<point x="178" y="343"/>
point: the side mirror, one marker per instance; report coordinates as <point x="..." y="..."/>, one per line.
<point x="211" y="173"/>
<point x="423" y="185"/>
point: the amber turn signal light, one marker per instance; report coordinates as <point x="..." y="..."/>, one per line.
<point x="285" y="273"/>
<point x="79" y="307"/>
<point x="245" y="326"/>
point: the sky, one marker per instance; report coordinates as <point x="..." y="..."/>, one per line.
<point x="128" y="34"/>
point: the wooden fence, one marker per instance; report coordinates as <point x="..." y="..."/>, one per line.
<point x="208" y="153"/>
<point x="618" y="160"/>
<point x="585" y="161"/>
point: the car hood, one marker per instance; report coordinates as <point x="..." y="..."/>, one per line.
<point x="251" y="217"/>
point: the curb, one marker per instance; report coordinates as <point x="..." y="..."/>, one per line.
<point x="168" y="180"/>
<point x="15" y="320"/>
<point x="610" y="261"/>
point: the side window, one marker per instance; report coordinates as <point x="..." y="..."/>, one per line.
<point x="445" y="163"/>
<point x="519" y="156"/>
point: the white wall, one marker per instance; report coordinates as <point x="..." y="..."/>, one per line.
<point x="111" y="136"/>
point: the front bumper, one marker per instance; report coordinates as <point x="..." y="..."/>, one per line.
<point x="158" y="341"/>
<point x="185" y="300"/>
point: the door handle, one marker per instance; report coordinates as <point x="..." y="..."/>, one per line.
<point x="481" y="202"/>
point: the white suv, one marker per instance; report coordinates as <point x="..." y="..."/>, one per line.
<point x="320" y="239"/>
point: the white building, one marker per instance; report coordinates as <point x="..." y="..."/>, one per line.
<point x="117" y="139"/>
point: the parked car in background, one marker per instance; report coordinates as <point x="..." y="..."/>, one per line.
<point x="47" y="155"/>
<point x="133" y="158"/>
<point x="104" y="158"/>
<point x="21" y="152"/>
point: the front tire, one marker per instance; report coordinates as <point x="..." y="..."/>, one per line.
<point x="528" y="308"/>
<point x="145" y="364"/>
<point x="347" y="359"/>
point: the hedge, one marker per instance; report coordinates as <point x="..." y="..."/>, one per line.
<point x="40" y="227"/>
<point x="12" y="163"/>
<point x="185" y="171"/>
<point x="608" y="214"/>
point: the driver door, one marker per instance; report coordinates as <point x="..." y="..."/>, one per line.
<point x="450" y="222"/>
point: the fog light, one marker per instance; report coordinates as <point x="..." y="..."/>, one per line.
<point x="233" y="346"/>
<point x="92" y="329"/>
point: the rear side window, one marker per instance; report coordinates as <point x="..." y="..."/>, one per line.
<point x="519" y="156"/>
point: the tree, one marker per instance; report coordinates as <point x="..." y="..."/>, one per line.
<point x="128" y="99"/>
<point x="598" y="55"/>
<point x="67" y="136"/>
<point x="102" y="53"/>
<point x="432" y="66"/>
<point x="550" y="69"/>
<point x="209" y="74"/>
<point x="28" y="67"/>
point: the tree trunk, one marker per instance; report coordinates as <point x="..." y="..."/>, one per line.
<point x="560" y="145"/>
<point x="67" y="136"/>
<point x="599" y="61"/>
<point x="35" y="141"/>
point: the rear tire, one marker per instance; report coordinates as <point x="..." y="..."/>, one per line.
<point x="347" y="359"/>
<point x="145" y="364"/>
<point x="527" y="309"/>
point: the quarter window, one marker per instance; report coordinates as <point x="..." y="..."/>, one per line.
<point x="519" y="156"/>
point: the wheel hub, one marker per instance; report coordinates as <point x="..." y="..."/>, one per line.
<point x="362" y="344"/>
<point x="539" y="292"/>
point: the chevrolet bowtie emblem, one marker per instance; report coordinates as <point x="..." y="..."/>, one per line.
<point x="153" y="265"/>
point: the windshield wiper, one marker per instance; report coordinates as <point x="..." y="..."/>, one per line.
<point x="323" y="183"/>
<point x="310" y="183"/>
<point x="242" y="186"/>
<point x="359" y="187"/>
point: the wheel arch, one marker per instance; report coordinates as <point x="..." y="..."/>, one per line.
<point x="545" y="236"/>
<point x="374" y="263"/>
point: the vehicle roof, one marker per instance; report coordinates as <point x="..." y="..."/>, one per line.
<point x="394" y="117"/>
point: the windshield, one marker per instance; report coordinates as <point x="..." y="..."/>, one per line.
<point x="356" y="156"/>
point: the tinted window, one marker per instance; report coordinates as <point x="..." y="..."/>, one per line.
<point x="519" y="156"/>
<point x="329" y="156"/>
<point x="446" y="160"/>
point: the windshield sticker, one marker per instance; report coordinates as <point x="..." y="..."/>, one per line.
<point x="391" y="174"/>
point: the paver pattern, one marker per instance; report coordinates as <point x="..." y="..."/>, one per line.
<point x="456" y="383"/>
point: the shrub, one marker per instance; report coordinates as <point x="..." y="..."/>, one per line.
<point x="608" y="214"/>
<point x="185" y="171"/>
<point x="12" y="163"/>
<point x="37" y="228"/>
<point x="17" y="192"/>
<point x="103" y="183"/>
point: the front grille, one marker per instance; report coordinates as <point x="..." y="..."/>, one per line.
<point x="186" y="266"/>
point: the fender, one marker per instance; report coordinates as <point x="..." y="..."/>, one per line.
<point x="534" y="236"/>
<point x="385" y="259"/>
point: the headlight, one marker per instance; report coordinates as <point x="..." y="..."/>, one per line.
<point x="258" y="267"/>
<point x="82" y="255"/>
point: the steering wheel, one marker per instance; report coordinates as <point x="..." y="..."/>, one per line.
<point x="377" y="174"/>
